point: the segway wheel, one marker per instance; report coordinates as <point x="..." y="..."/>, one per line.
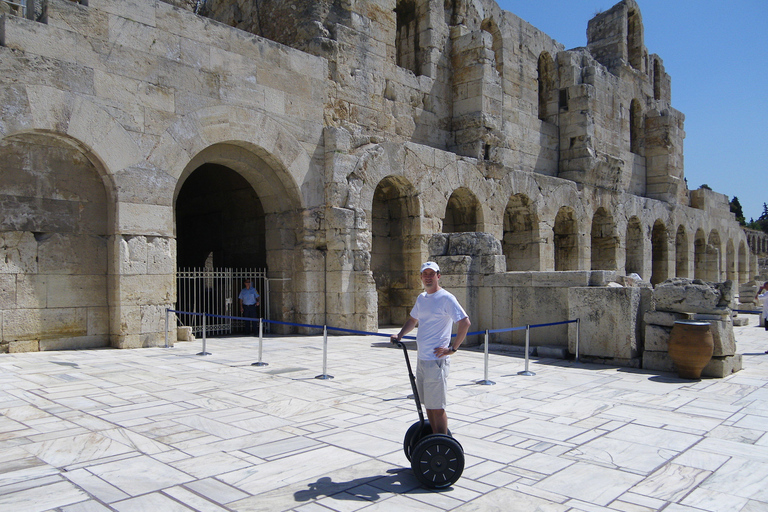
<point x="416" y="433"/>
<point x="437" y="461"/>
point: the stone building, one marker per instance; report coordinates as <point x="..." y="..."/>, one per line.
<point x="329" y="141"/>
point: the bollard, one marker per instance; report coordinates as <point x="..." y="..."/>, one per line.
<point x="167" y="312"/>
<point x="261" y="338"/>
<point x="325" y="375"/>
<point x="485" y="381"/>
<point x="527" y="350"/>
<point x="203" y="353"/>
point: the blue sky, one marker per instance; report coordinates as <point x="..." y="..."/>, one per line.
<point x="717" y="55"/>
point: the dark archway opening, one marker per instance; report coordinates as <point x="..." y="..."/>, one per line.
<point x="219" y="214"/>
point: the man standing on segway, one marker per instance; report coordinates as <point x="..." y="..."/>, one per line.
<point x="435" y="312"/>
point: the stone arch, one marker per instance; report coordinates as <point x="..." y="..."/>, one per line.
<point x="604" y="241"/>
<point x="261" y="162"/>
<point x="713" y="265"/>
<point x="566" y="236"/>
<point x="489" y="25"/>
<point x="700" y="255"/>
<point x="743" y="262"/>
<point x="520" y="242"/>
<point x="635" y="247"/>
<point x="659" y="253"/>
<point x="463" y="212"/>
<point x="56" y="229"/>
<point x="395" y="257"/>
<point x="636" y="127"/>
<point x="682" y="266"/>
<point x="730" y="262"/>
<point x="546" y="81"/>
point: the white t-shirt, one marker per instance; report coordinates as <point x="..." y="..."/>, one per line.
<point x="436" y="314"/>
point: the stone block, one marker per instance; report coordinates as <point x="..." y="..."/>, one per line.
<point x="184" y="334"/>
<point x="148" y="219"/>
<point x="98" y="321"/>
<point x="740" y="321"/>
<point x="18" y="252"/>
<point x="7" y="291"/>
<point x="27" y="324"/>
<point x="74" y="343"/>
<point x="686" y="296"/>
<point x="722" y="337"/>
<point x="72" y="254"/>
<point x="602" y="277"/>
<point x="23" y="346"/>
<point x="76" y="291"/>
<point x="146" y="289"/>
<point x="667" y="319"/>
<point x="720" y="367"/>
<point x="657" y="361"/>
<point x="609" y="324"/>
<point x="657" y="338"/>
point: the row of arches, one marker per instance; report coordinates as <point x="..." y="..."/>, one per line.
<point x="536" y="237"/>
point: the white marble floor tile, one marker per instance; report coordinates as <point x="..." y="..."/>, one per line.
<point x="153" y="502"/>
<point x="42" y="498"/>
<point x="139" y="475"/>
<point x="590" y="483"/>
<point x="75" y="450"/>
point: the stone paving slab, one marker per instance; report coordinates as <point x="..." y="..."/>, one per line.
<point x="165" y="429"/>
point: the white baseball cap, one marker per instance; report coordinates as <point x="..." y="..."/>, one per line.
<point x="432" y="265"/>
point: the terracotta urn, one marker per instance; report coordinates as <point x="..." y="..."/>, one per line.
<point x="690" y="347"/>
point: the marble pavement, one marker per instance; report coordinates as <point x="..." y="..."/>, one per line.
<point x="167" y="430"/>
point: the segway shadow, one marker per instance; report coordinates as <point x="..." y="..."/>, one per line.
<point x="437" y="460"/>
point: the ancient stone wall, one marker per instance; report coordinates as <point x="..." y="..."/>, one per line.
<point x="351" y="133"/>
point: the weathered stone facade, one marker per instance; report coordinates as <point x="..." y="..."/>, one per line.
<point x="346" y="134"/>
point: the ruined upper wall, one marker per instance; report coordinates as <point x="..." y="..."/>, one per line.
<point x="467" y="77"/>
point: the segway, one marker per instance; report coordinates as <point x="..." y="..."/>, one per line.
<point x="437" y="460"/>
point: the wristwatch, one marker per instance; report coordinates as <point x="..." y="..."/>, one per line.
<point x="453" y="349"/>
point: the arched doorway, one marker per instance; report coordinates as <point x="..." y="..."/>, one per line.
<point x="699" y="255"/>
<point x="54" y="244"/>
<point x="604" y="241"/>
<point x="635" y="250"/>
<point x="659" y="253"/>
<point x="462" y="213"/>
<point x="682" y="267"/>
<point x="521" y="241"/>
<point x="395" y="254"/>
<point x="566" y="233"/>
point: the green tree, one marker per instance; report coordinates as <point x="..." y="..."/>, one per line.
<point x="738" y="211"/>
<point x="761" y="224"/>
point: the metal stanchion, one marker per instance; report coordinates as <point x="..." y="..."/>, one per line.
<point x="527" y="350"/>
<point x="578" y="333"/>
<point x="485" y="381"/>
<point x="167" y="312"/>
<point x="203" y="353"/>
<point x="261" y="339"/>
<point x="325" y="375"/>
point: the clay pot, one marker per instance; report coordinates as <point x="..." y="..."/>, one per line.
<point x="690" y="347"/>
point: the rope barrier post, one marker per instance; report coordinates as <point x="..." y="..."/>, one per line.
<point x="485" y="381"/>
<point x="325" y="375"/>
<point x="578" y="332"/>
<point x="261" y="339"/>
<point x="167" y="313"/>
<point x="527" y="350"/>
<point x="203" y="353"/>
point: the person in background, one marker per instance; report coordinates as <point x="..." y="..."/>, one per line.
<point x="764" y="298"/>
<point x="249" y="303"/>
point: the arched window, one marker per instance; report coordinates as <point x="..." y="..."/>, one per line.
<point x="407" y="37"/>
<point x="546" y="79"/>
<point x="635" y="39"/>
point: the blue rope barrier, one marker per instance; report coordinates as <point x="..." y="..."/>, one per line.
<point x="750" y="311"/>
<point x="367" y="333"/>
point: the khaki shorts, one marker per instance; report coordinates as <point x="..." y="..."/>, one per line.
<point x="432" y="382"/>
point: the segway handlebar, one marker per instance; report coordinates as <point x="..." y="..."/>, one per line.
<point x="410" y="376"/>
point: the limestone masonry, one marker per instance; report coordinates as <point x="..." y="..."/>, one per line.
<point x="338" y="144"/>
